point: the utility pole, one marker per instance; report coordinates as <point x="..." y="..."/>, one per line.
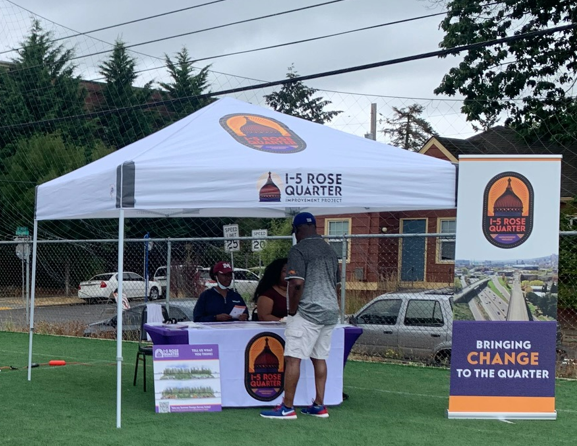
<point x="373" y="133"/>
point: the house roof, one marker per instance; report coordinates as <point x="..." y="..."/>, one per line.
<point x="502" y="140"/>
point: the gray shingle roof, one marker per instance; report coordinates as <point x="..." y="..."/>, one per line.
<point x="501" y="140"/>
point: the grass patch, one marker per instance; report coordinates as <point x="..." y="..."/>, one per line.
<point x="505" y="283"/>
<point x="496" y="291"/>
<point x="389" y="404"/>
<point x="462" y="312"/>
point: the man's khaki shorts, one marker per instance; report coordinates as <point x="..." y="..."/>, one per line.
<point x="305" y="339"/>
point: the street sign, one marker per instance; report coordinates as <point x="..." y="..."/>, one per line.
<point x="22" y="249"/>
<point x="22" y="231"/>
<point x="231" y="231"/>
<point x="258" y="245"/>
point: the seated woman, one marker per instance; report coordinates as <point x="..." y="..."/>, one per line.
<point x="270" y="294"/>
<point x="220" y="303"/>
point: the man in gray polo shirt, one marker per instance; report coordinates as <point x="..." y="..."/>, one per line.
<point x="312" y="276"/>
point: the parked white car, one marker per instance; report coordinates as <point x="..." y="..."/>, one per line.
<point x="102" y="286"/>
<point x="245" y="281"/>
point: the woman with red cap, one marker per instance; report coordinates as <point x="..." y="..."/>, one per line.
<point x="220" y="303"/>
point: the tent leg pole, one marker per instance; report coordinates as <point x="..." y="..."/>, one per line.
<point x="119" y="318"/>
<point x="32" y="296"/>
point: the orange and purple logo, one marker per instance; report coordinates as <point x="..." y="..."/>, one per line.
<point x="264" y="366"/>
<point x="262" y="133"/>
<point x="508" y="210"/>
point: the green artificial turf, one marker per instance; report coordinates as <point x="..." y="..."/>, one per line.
<point x="388" y="405"/>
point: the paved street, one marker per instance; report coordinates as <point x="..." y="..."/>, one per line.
<point x="58" y="311"/>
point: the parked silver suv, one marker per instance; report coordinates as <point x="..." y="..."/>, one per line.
<point x="411" y="325"/>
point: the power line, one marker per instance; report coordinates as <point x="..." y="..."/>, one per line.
<point x="112" y="26"/>
<point x="277" y="14"/>
<point x="296" y="42"/>
<point x="212" y="28"/>
<point x="108" y="43"/>
<point x="439" y="53"/>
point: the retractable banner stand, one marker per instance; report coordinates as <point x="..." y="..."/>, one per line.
<point x="506" y="255"/>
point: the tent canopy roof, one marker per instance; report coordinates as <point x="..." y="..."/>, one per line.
<point x="234" y="159"/>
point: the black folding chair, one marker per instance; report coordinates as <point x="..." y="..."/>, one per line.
<point x="144" y="347"/>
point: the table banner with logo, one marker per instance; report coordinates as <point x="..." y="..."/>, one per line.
<point x="506" y="282"/>
<point x="252" y="364"/>
<point x="187" y="378"/>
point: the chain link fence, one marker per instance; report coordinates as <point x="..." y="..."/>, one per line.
<point x="398" y="288"/>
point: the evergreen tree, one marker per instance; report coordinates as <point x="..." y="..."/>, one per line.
<point x="531" y="81"/>
<point x="407" y="129"/>
<point x="185" y="85"/>
<point x="296" y="99"/>
<point x="131" y="122"/>
<point x="39" y="84"/>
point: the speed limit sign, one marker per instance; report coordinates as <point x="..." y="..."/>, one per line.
<point x="258" y="245"/>
<point x="231" y="231"/>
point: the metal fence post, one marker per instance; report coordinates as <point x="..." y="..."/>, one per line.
<point x="168" y="261"/>
<point x="343" y="277"/>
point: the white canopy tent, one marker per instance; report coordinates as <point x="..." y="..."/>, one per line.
<point x="234" y="159"/>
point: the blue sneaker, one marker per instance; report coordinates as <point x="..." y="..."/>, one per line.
<point x="316" y="410"/>
<point x="280" y="413"/>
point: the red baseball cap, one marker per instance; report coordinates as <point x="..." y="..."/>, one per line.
<point x="222" y="267"/>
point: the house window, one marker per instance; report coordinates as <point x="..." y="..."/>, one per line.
<point x="446" y="246"/>
<point x="338" y="227"/>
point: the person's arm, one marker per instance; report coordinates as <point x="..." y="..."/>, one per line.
<point x="295" y="277"/>
<point x="264" y="307"/>
<point x="199" y="312"/>
<point x="295" y="290"/>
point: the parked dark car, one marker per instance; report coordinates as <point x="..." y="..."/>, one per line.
<point x="180" y="310"/>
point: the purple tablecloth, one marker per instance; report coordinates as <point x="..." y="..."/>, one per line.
<point x="162" y="335"/>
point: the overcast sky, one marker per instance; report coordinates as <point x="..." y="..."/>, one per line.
<point x="388" y="86"/>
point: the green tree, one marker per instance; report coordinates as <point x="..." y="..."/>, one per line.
<point x="276" y="249"/>
<point x="185" y="85"/>
<point x="568" y="259"/>
<point x="39" y="84"/>
<point x="296" y="99"/>
<point x="131" y="122"/>
<point x="529" y="80"/>
<point x="38" y="159"/>
<point x="407" y="129"/>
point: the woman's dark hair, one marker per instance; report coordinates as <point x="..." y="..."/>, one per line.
<point x="270" y="276"/>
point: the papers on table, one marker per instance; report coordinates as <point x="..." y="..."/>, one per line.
<point x="190" y="324"/>
<point x="178" y="326"/>
<point x="237" y="311"/>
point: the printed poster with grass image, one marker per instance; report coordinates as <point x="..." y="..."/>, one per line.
<point x="187" y="378"/>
